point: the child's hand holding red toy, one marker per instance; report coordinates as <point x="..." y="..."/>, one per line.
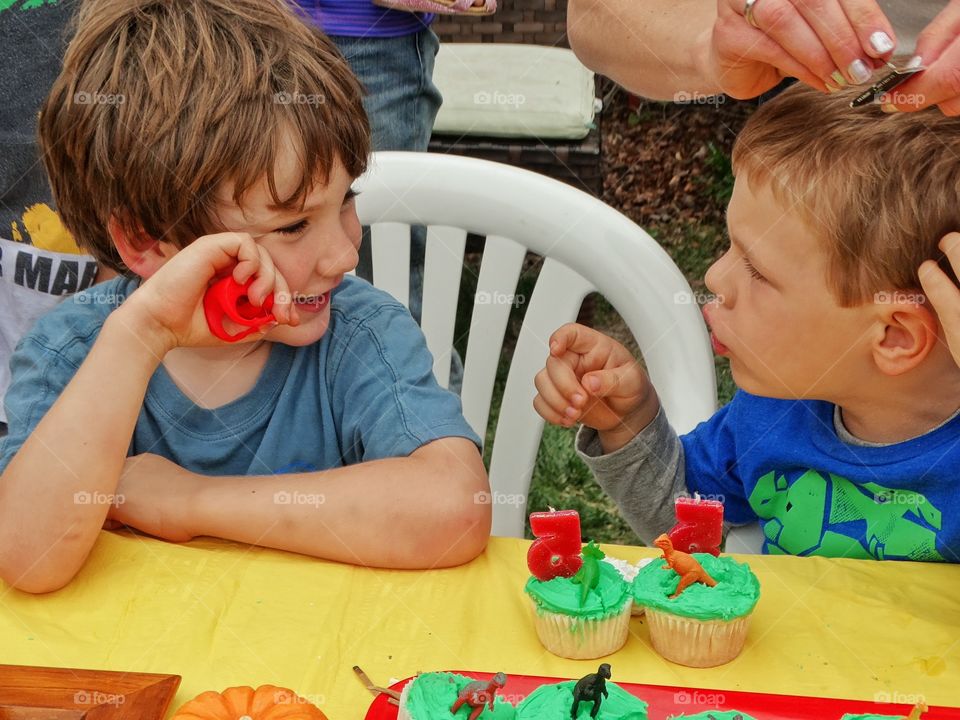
<point x="178" y="306"/>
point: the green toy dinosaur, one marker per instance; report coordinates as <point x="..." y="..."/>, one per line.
<point x="588" y="576"/>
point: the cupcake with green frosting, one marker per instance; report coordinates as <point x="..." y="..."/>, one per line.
<point x="715" y="715"/>
<point x="704" y="625"/>
<point x="429" y="696"/>
<point x="585" y="616"/>
<point x="915" y="714"/>
<point x="554" y="702"/>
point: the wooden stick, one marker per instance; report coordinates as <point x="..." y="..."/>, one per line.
<point x="375" y="689"/>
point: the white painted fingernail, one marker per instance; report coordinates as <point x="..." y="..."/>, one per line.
<point x="838" y="78"/>
<point x="859" y="72"/>
<point x="881" y="42"/>
<point x="914" y="62"/>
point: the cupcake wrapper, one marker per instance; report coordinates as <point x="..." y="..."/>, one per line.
<point x="696" y="643"/>
<point x="402" y="714"/>
<point x="579" y="638"/>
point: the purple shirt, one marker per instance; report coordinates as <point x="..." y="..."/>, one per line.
<point x="361" y="18"/>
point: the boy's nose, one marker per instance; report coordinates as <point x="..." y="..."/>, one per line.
<point x="341" y="255"/>
<point x="716" y="279"/>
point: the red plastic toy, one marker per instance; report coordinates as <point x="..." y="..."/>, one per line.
<point x="227" y="298"/>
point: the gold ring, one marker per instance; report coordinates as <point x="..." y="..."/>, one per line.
<point x="748" y="13"/>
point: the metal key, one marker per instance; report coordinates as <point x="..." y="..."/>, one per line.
<point x="886" y="84"/>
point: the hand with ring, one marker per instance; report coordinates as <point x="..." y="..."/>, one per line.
<point x="827" y="44"/>
<point x="938" y="48"/>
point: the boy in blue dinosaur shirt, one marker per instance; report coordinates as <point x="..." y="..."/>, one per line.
<point x="844" y="438"/>
<point x="184" y="142"/>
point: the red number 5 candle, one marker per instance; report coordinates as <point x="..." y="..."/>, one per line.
<point x="699" y="525"/>
<point x="556" y="551"/>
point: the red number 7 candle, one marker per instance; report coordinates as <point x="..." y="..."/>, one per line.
<point x="699" y="525"/>
<point x="556" y="551"/>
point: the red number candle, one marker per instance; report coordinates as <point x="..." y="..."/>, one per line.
<point x="556" y="551"/>
<point x="699" y="525"/>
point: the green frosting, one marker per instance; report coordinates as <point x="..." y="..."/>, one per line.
<point x="561" y="595"/>
<point x="554" y="702"/>
<point x="735" y="594"/>
<point x="715" y="715"/>
<point x="432" y="694"/>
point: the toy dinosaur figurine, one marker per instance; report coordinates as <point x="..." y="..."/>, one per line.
<point x="917" y="710"/>
<point x="689" y="570"/>
<point x="588" y="576"/>
<point x="591" y="688"/>
<point x="479" y="693"/>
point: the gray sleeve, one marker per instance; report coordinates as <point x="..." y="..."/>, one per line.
<point x="643" y="477"/>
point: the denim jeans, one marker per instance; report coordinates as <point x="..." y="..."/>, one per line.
<point x="402" y="103"/>
<point x="402" y="100"/>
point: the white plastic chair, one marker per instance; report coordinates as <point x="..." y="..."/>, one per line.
<point x="586" y="246"/>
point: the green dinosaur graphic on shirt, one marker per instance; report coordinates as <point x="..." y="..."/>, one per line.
<point x="26" y="4"/>
<point x="882" y="523"/>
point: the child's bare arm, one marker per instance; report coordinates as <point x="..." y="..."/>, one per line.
<point x="592" y="379"/>
<point x="430" y="509"/>
<point x="77" y="450"/>
<point x="74" y="455"/>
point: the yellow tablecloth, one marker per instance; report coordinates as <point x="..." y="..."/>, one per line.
<point x="220" y="614"/>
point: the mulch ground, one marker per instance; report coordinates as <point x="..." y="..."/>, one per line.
<point x="663" y="162"/>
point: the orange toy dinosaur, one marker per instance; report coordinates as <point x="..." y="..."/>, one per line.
<point x="915" y="713"/>
<point x="689" y="570"/>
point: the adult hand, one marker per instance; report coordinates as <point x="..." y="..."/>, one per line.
<point x="938" y="48"/>
<point x="824" y="43"/>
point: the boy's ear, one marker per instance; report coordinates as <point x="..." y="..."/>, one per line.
<point x="907" y="332"/>
<point x="141" y="253"/>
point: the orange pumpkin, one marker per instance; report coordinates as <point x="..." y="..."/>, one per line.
<point x="267" y="702"/>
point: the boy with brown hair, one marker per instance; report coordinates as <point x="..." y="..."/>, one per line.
<point x="184" y="142"/>
<point x="844" y="439"/>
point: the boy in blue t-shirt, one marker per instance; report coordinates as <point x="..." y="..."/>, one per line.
<point x="188" y="141"/>
<point x="844" y="439"/>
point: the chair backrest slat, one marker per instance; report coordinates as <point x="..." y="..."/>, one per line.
<point x="442" y="271"/>
<point x="556" y="300"/>
<point x="390" y="252"/>
<point x="499" y="273"/>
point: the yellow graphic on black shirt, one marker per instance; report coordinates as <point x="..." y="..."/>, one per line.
<point x="44" y="231"/>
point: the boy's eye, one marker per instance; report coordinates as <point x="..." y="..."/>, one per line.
<point x="293" y="229"/>
<point x="754" y="273"/>
<point x="351" y="194"/>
